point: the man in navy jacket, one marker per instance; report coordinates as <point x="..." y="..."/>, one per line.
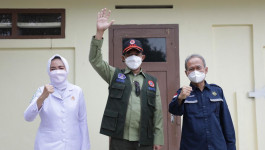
<point x="207" y="124"/>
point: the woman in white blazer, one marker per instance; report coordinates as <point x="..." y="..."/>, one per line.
<point x="61" y="107"/>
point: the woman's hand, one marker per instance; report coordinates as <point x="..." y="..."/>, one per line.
<point x="48" y="89"/>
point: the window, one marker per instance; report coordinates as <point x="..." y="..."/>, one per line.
<point x="32" y="23"/>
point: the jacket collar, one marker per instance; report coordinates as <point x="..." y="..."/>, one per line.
<point x="128" y="70"/>
<point x="206" y="85"/>
<point x="66" y="93"/>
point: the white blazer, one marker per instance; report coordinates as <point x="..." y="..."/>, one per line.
<point x="63" y="123"/>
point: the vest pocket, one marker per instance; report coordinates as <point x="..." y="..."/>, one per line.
<point x="150" y="129"/>
<point x="151" y="98"/>
<point x="117" y="90"/>
<point x="110" y="119"/>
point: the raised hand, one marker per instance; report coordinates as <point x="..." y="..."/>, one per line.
<point x="103" y="22"/>
<point x="48" y="89"/>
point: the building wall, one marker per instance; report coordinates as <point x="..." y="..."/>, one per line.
<point x="229" y="34"/>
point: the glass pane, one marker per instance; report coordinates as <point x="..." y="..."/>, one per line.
<point x="40" y="31"/>
<point x="34" y="18"/>
<point x="5" y="18"/>
<point x="5" y="31"/>
<point x="39" y="24"/>
<point x="154" y="48"/>
<point x="5" y="24"/>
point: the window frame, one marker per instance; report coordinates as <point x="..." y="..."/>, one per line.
<point x="14" y="13"/>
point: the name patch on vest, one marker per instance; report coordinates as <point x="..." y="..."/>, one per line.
<point x="151" y="88"/>
<point x="120" y="80"/>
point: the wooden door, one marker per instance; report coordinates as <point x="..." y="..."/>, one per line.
<point x="165" y="69"/>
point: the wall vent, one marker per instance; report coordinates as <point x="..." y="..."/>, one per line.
<point x="143" y="6"/>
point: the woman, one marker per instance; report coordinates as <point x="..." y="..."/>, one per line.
<point x="62" y="110"/>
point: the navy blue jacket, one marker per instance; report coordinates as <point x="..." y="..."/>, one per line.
<point x="207" y="124"/>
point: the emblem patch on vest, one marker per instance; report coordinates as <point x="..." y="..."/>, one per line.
<point x="151" y="86"/>
<point x="151" y="83"/>
<point x="121" y="78"/>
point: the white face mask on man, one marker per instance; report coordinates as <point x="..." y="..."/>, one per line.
<point x="133" y="62"/>
<point x="196" y="76"/>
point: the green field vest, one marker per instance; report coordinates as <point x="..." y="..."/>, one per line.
<point x="113" y="120"/>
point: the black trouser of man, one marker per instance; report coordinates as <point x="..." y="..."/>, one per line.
<point x="121" y="144"/>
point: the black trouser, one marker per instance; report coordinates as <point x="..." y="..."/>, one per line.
<point x="121" y="144"/>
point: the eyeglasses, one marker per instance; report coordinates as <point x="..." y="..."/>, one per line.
<point x="137" y="88"/>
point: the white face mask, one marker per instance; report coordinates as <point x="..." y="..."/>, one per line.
<point x="196" y="76"/>
<point x="133" y="62"/>
<point x="58" y="77"/>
